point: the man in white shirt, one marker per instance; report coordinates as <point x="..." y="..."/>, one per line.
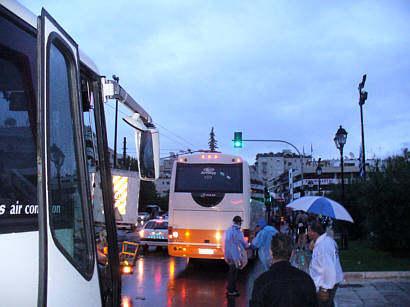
<point x="325" y="268"/>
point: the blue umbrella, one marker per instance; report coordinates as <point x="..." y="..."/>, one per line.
<point x="321" y="205"/>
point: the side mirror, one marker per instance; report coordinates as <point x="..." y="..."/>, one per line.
<point x="147" y="144"/>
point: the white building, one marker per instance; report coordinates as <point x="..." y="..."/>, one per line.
<point x="270" y="165"/>
<point x="163" y="183"/>
<point x="289" y="184"/>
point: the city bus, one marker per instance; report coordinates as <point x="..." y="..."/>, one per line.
<point x="57" y="220"/>
<point x="207" y="190"/>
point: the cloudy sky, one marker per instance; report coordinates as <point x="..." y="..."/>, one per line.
<point x="286" y="70"/>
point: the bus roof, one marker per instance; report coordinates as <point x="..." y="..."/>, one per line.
<point x="28" y="16"/>
<point x="210" y="157"/>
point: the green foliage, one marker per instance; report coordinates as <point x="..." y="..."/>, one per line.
<point x="380" y="205"/>
<point x="387" y="203"/>
<point x="149" y="196"/>
<point x="129" y="164"/>
<point x="353" y="201"/>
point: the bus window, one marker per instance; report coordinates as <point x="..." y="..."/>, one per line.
<point x="18" y="167"/>
<point x="66" y="204"/>
<point x="223" y="178"/>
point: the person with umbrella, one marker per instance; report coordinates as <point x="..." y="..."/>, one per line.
<point x="325" y="268"/>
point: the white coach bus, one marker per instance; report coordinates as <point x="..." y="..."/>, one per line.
<point x="56" y="198"/>
<point x="207" y="190"/>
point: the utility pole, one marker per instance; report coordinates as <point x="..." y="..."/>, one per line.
<point x="124" y="152"/>
<point x="116" y="122"/>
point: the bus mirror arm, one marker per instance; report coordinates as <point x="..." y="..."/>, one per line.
<point x="112" y="90"/>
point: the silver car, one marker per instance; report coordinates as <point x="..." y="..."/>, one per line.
<point x="154" y="233"/>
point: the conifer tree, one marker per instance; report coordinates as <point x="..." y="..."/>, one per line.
<point x="213" y="143"/>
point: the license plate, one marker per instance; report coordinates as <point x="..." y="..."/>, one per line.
<point x="205" y="251"/>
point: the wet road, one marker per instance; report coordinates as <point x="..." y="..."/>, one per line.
<point x="161" y="280"/>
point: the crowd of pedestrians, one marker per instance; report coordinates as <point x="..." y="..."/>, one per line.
<point x="280" y="283"/>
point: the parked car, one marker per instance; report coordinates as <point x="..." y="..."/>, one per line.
<point x="154" y="233"/>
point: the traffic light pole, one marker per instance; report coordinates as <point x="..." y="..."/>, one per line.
<point x="281" y="141"/>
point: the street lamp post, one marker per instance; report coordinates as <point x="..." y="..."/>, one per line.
<point x="319" y="173"/>
<point x="362" y="99"/>
<point x="57" y="157"/>
<point x="310" y="184"/>
<point x="340" y="141"/>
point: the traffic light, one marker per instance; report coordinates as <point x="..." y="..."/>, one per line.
<point x="237" y="139"/>
<point x="267" y="194"/>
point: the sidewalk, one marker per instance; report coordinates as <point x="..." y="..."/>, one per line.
<point x="373" y="292"/>
<point x="366" y="288"/>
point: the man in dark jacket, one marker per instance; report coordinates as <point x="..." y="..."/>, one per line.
<point x="283" y="284"/>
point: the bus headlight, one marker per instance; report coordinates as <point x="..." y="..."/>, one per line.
<point x="218" y="235"/>
<point x="175" y="234"/>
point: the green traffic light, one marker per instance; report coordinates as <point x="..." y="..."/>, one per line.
<point x="237" y="139"/>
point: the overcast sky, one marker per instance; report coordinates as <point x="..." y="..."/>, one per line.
<point x="285" y="70"/>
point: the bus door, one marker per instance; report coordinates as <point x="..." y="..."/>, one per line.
<point x="67" y="270"/>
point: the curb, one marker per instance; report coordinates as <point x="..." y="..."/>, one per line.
<point x="375" y="275"/>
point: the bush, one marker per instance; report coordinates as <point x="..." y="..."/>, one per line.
<point x="387" y="203"/>
<point x="353" y="202"/>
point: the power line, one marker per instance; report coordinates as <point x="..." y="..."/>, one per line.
<point x="176" y="135"/>
<point x="162" y="133"/>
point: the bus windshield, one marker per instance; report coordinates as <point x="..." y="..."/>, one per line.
<point x="223" y="178"/>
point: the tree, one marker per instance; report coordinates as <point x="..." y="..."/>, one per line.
<point x="387" y="203"/>
<point x="213" y="143"/>
<point x="353" y="202"/>
<point x="380" y="204"/>
<point x="148" y="194"/>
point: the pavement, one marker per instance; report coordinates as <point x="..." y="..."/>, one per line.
<point x="366" y="288"/>
<point x="373" y="292"/>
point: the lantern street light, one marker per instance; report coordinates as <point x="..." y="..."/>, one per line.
<point x="340" y="141"/>
<point x="319" y="172"/>
<point x="310" y="184"/>
<point x="57" y="157"/>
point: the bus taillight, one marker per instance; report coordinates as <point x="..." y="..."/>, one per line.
<point x="169" y="232"/>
